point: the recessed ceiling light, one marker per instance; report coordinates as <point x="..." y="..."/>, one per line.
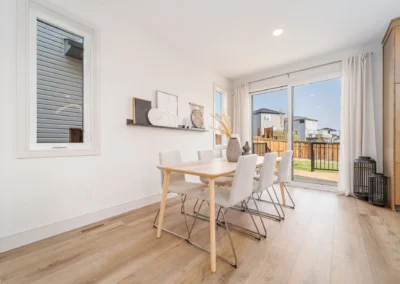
<point x="312" y="95"/>
<point x="277" y="32"/>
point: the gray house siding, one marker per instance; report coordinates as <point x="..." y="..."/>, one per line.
<point x="256" y="123"/>
<point x="259" y="122"/>
<point x="59" y="86"/>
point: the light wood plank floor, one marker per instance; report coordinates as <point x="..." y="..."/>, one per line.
<point x="326" y="239"/>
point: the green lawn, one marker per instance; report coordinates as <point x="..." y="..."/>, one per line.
<point x="306" y="166"/>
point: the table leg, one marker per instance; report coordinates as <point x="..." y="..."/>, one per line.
<point x="213" y="251"/>
<point x="283" y="193"/>
<point x="163" y="202"/>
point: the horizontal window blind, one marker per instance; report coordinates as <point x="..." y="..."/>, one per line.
<point x="316" y="74"/>
<point x="269" y="83"/>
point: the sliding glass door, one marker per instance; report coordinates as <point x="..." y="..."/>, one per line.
<point x="270" y="121"/>
<point x="316" y="132"/>
<point x="304" y="116"/>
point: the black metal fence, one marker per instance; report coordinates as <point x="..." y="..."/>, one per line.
<point x="325" y="156"/>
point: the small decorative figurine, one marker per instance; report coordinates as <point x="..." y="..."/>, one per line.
<point x="246" y="148"/>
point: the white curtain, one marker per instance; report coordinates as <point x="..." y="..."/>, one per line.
<point x="241" y="112"/>
<point x="357" y="127"/>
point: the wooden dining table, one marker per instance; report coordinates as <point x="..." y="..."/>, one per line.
<point x="209" y="169"/>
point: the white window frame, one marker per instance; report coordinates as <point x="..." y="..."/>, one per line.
<point x="28" y="11"/>
<point x="224" y="109"/>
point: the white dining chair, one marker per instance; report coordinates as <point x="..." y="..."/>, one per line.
<point x="208" y="155"/>
<point x="283" y="177"/>
<point x="178" y="185"/>
<point x="228" y="197"/>
<point x="265" y="181"/>
<point x="284" y="174"/>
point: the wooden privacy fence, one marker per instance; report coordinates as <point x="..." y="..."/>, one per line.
<point x="301" y="149"/>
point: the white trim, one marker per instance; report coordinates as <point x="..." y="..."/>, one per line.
<point x="27" y="13"/>
<point x="224" y="105"/>
<point x="34" y="235"/>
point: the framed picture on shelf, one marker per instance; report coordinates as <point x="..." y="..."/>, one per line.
<point x="167" y="102"/>
<point x="140" y="110"/>
<point x="197" y="115"/>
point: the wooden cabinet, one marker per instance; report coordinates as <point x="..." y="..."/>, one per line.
<point x="391" y="111"/>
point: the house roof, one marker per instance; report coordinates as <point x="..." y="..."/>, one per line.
<point x="303" y="117"/>
<point x="327" y="128"/>
<point x="267" y="110"/>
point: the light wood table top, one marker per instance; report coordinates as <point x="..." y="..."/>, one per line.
<point x="211" y="169"/>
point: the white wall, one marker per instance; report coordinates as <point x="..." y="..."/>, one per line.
<point x="375" y="47"/>
<point x="38" y="192"/>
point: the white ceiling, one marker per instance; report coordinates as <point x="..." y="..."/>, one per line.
<point x="234" y="37"/>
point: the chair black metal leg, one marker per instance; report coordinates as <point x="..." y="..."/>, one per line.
<point x="168" y="231"/>
<point x="291" y="199"/>
<point x="262" y="221"/>
<point x="194" y="207"/>
<point x="196" y="245"/>
<point x="273" y="203"/>
<point x="195" y="219"/>
<point x="254" y="222"/>
<point x="184" y="214"/>
<point x="230" y="239"/>
<point x="219" y="211"/>
<point x="280" y="204"/>
<point x="183" y="199"/>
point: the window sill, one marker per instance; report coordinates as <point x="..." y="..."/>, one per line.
<point x="53" y="153"/>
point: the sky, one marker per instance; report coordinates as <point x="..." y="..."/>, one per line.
<point x="319" y="100"/>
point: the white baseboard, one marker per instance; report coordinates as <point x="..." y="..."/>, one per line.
<point x="34" y="235"/>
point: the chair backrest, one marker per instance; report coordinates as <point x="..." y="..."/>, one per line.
<point x="242" y="186"/>
<point x="171" y="158"/>
<point x="285" y="166"/>
<point x="208" y="155"/>
<point x="267" y="171"/>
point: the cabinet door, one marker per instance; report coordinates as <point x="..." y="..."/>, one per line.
<point x="397" y="123"/>
<point x="388" y="106"/>
<point x="397" y="54"/>
<point x="395" y="190"/>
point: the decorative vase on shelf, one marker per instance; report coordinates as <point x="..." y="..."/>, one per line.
<point x="233" y="150"/>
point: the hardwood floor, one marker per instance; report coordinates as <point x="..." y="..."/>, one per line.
<point x="326" y="239"/>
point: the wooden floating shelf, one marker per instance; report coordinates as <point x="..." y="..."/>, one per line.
<point x="130" y="122"/>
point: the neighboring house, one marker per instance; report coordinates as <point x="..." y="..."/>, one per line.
<point x="267" y="118"/>
<point x="59" y="85"/>
<point x="328" y="134"/>
<point x="305" y="128"/>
